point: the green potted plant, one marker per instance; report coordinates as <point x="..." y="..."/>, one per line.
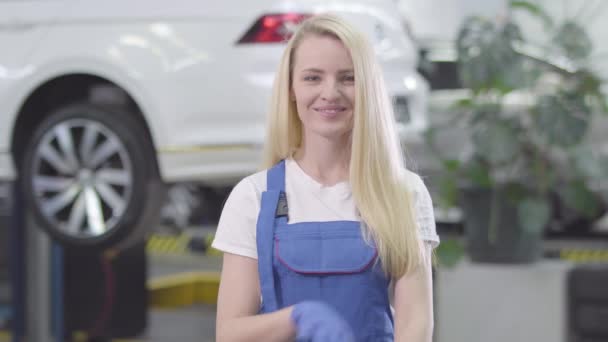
<point x="530" y="162"/>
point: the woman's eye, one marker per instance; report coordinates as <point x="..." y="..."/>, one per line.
<point x="349" y="78"/>
<point x="311" y="78"/>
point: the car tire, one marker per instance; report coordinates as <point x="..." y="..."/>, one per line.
<point x="85" y="174"/>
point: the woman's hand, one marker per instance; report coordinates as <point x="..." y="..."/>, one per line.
<point x="239" y="302"/>
<point x="318" y="322"/>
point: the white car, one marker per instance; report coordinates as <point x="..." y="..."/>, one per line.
<point x="99" y="101"/>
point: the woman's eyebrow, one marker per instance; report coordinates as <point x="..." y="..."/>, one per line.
<point x="319" y="71"/>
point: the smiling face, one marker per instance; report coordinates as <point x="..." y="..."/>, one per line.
<point x="323" y="87"/>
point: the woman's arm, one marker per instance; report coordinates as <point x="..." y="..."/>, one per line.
<point x="414" y="304"/>
<point x="239" y="302"/>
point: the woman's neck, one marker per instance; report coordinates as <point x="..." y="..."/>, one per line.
<point x="326" y="161"/>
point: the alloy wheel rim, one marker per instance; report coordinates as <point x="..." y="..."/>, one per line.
<point x="82" y="178"/>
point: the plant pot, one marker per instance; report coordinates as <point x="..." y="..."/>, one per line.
<point x="507" y="242"/>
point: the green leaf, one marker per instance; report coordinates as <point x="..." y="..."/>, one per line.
<point x="533" y="214"/>
<point x="590" y="89"/>
<point x="496" y="142"/>
<point x="589" y="164"/>
<point x="484" y="111"/>
<point x="563" y="120"/>
<point x="579" y="198"/>
<point x="451" y="165"/>
<point x="463" y="104"/>
<point x="604" y="103"/>
<point x="429" y="135"/>
<point x="429" y="139"/>
<point x="449" y="252"/>
<point x="603" y="161"/>
<point x="486" y="58"/>
<point x="588" y="84"/>
<point x="573" y="40"/>
<point x="534" y="10"/>
<point x="448" y="191"/>
<point x="515" y="192"/>
<point x="479" y="174"/>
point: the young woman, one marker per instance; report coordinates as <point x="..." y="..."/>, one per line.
<point x="315" y="245"/>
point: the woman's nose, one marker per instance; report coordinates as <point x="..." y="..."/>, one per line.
<point x="330" y="90"/>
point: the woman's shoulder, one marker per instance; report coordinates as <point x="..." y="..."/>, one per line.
<point x="253" y="184"/>
<point x="256" y="182"/>
<point x="423" y="204"/>
<point x="414" y="181"/>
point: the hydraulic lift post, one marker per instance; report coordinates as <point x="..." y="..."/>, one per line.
<point x="36" y="278"/>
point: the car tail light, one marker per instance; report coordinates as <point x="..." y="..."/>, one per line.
<point x="273" y="28"/>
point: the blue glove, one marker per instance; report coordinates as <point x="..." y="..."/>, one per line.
<point x="318" y="322"/>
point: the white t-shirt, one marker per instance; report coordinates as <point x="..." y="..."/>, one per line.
<point x="314" y="202"/>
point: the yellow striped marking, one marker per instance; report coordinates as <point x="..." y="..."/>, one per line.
<point x="168" y="244"/>
<point x="184" y="289"/>
<point x="177" y="244"/>
<point x="584" y="256"/>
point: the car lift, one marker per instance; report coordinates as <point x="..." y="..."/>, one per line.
<point x="41" y="270"/>
<point x="37" y="310"/>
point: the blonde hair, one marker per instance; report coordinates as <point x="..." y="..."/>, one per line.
<point x="377" y="169"/>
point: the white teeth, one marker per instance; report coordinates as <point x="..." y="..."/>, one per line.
<point x="330" y="111"/>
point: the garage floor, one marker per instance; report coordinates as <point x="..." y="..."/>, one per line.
<point x="193" y="324"/>
<point x="190" y="324"/>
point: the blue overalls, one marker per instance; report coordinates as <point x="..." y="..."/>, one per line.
<point x="326" y="261"/>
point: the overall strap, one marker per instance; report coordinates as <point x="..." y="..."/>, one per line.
<point x="273" y="210"/>
<point x="275" y="177"/>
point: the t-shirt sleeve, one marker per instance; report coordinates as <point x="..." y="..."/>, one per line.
<point x="423" y="205"/>
<point x="236" y="230"/>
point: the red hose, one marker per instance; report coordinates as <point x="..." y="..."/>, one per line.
<point x="109" y="294"/>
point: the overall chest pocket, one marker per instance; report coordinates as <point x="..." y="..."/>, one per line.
<point x="323" y="249"/>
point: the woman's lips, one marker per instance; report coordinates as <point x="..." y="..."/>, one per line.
<point x="330" y="112"/>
